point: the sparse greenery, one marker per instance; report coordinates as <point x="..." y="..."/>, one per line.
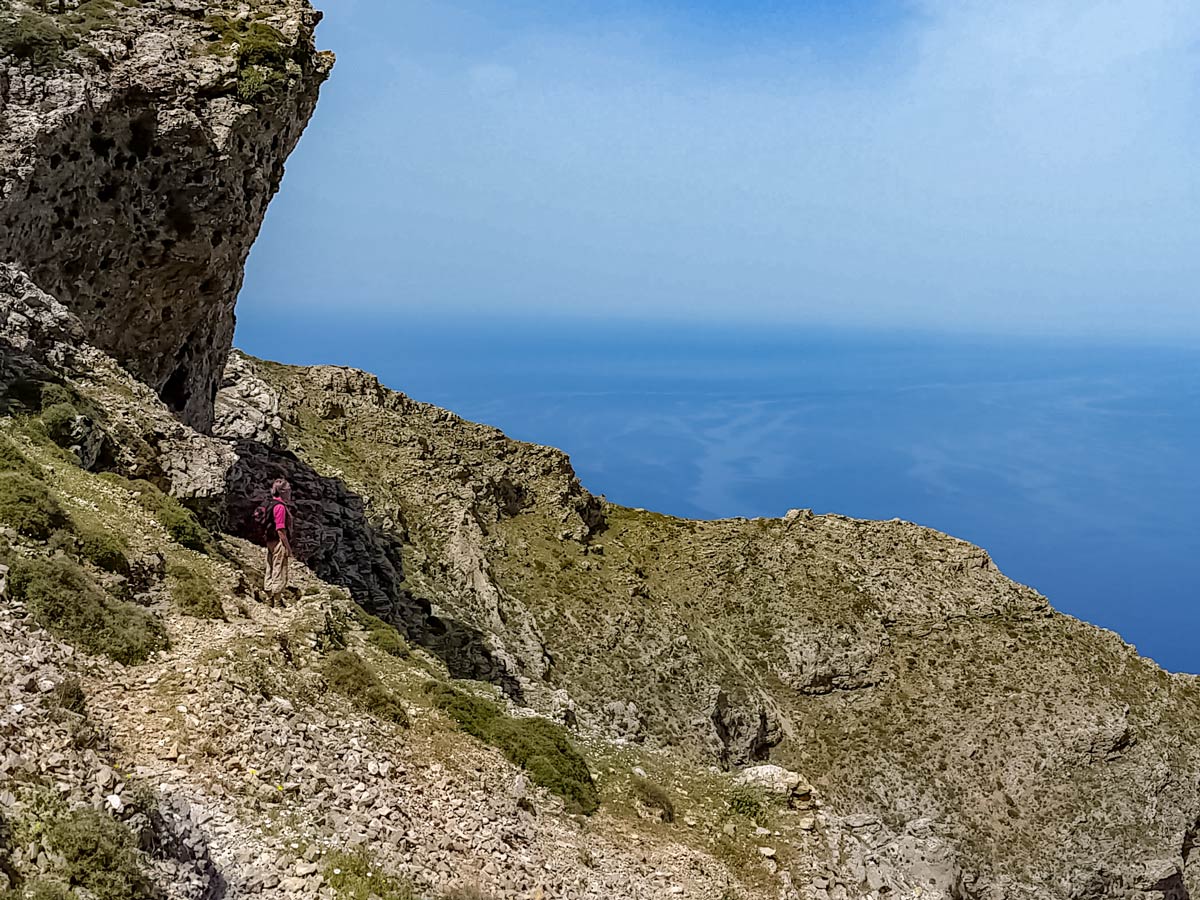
<point x="747" y="801"/>
<point x="68" y="694"/>
<point x="100" y="856"/>
<point x="28" y="506"/>
<point x="63" y="600"/>
<point x="357" y="877"/>
<point x="41" y="889"/>
<point x="179" y="522"/>
<point x="262" y="54"/>
<point x="654" y="796"/>
<point x="535" y="744"/>
<point x="350" y="675"/>
<point x="382" y="635"/>
<point x="194" y="593"/>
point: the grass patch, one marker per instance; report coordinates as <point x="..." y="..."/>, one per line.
<point x="64" y="601"/>
<point x="13" y="460"/>
<point x="654" y="796"/>
<point x="194" y="593"/>
<point x="537" y="745"/>
<point x="28" y="506"/>
<point x="350" y="675"/>
<point x="99" y="855"/>
<point x="357" y="877"/>
<point x="382" y="635"/>
<point x="178" y="521"/>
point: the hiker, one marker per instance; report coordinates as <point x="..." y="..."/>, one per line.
<point x="276" y="516"/>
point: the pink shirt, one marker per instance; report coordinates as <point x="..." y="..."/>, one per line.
<point x="281" y="516"/>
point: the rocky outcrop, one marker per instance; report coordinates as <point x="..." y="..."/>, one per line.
<point x="975" y="736"/>
<point x="135" y="170"/>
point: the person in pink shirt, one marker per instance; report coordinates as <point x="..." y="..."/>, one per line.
<point x="278" y="540"/>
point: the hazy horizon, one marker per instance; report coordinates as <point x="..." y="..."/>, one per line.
<point x="1018" y="168"/>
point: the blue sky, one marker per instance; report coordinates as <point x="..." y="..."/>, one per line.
<point x="1025" y="167"/>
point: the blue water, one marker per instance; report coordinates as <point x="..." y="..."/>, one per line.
<point x="1073" y="464"/>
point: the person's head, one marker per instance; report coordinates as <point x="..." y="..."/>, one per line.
<point x="281" y="489"/>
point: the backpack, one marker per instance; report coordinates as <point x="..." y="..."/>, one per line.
<point x="264" y="519"/>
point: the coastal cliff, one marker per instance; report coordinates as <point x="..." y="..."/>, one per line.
<point x="488" y="681"/>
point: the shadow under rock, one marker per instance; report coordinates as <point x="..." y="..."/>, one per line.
<point x="334" y="537"/>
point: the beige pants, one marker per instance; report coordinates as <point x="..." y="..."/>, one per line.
<point x="277" y="570"/>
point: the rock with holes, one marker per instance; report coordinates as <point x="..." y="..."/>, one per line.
<point x="135" y="169"/>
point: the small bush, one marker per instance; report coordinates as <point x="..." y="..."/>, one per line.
<point x="654" y="796"/>
<point x="350" y="675"/>
<point x="357" y="877"/>
<point x="68" y="694"/>
<point x="179" y="522"/>
<point x="748" y="802"/>
<point x="104" y="550"/>
<point x="59" y="422"/>
<point x="193" y="593"/>
<point x="28" y="506"/>
<point x="64" y="601"/>
<point x="537" y="745"/>
<point x="100" y="856"/>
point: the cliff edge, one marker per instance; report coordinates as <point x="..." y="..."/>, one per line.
<point x="140" y="143"/>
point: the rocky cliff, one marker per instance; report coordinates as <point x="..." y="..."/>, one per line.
<point x="140" y="143"/>
<point x="893" y="665"/>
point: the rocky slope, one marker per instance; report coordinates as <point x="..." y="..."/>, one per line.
<point x="893" y="665"/>
<point x="140" y="142"/>
<point x="162" y="733"/>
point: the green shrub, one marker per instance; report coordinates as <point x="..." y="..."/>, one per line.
<point x="654" y="796"/>
<point x="35" y="38"/>
<point x="357" y="877"/>
<point x="104" y="550"/>
<point x="100" y="855"/>
<point x="382" y="635"/>
<point x="193" y="593"/>
<point x="537" y="745"/>
<point x="59" y="422"/>
<point x="748" y="802"/>
<point x="68" y="694"/>
<point x="28" y="506"/>
<point x="64" y="601"/>
<point x="350" y="675"/>
<point x="178" y="521"/>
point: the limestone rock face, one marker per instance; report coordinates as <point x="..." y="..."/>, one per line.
<point x="134" y="177"/>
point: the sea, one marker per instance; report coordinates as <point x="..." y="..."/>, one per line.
<point x="1073" y="462"/>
